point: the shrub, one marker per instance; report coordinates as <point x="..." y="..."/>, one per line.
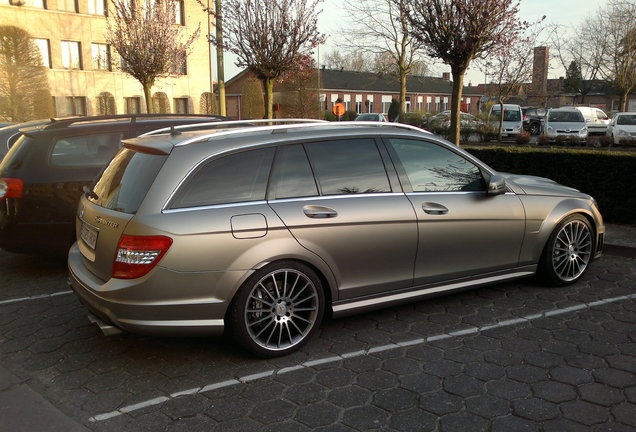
<point x="543" y="140"/>
<point x="573" y="141"/>
<point x="560" y="140"/>
<point x="329" y="116"/>
<point x="412" y="118"/>
<point x="605" y="141"/>
<point x="602" y="174"/>
<point x="394" y="110"/>
<point x="523" y="138"/>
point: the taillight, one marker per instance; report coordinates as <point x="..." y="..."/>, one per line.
<point x="11" y="188"/>
<point x="137" y="255"/>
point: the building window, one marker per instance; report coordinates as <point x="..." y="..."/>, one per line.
<point x="101" y="56"/>
<point x="386" y="104"/>
<point x="30" y="3"/>
<point x="181" y="105"/>
<point x="76" y="105"/>
<point x="179" y="13"/>
<point x="45" y="51"/>
<point x="98" y="7"/>
<point x="71" y="55"/>
<point x="179" y="64"/>
<point x="106" y="104"/>
<point x="160" y="103"/>
<point x="370" y="105"/>
<point x="358" y="107"/>
<point x="133" y="105"/>
<point x="68" y="5"/>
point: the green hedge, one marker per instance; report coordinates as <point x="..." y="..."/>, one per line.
<point x="610" y="177"/>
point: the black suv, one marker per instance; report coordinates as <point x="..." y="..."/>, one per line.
<point x="45" y="170"/>
<point x="533" y="118"/>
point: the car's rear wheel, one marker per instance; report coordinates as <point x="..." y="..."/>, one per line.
<point x="277" y="309"/>
<point x="568" y="253"/>
<point x="534" y="129"/>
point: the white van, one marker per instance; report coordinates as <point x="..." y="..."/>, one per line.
<point x="595" y="119"/>
<point x="512" y="121"/>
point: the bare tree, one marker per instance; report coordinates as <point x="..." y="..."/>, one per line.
<point x="357" y="61"/>
<point x="299" y="90"/>
<point x="617" y="46"/>
<point x="510" y="66"/>
<point x="24" y="86"/>
<point x="146" y="37"/>
<point x="585" y="53"/>
<point x="458" y="32"/>
<point x="382" y="29"/>
<point x="269" y="36"/>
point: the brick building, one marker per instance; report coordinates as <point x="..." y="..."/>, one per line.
<point x="364" y="92"/>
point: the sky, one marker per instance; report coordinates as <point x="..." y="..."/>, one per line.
<point x="567" y="13"/>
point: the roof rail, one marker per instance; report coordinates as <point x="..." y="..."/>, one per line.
<point x="65" y="121"/>
<point x="222" y="123"/>
<point x="308" y="124"/>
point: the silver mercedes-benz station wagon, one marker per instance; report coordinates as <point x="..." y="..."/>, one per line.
<point x="267" y="228"/>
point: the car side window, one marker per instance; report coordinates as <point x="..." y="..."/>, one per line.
<point x="433" y="168"/>
<point x="85" y="150"/>
<point x="351" y="166"/>
<point x="239" y="177"/>
<point x="291" y="174"/>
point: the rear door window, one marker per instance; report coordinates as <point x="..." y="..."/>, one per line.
<point x="291" y="174"/>
<point x="239" y="177"/>
<point x="85" y="150"/>
<point x="351" y="166"/>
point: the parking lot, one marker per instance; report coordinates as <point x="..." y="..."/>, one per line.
<point x="510" y="357"/>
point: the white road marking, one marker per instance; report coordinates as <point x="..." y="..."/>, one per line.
<point x="337" y="358"/>
<point x="35" y="297"/>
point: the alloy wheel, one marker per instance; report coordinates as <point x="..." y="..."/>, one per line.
<point x="281" y="310"/>
<point x="572" y="250"/>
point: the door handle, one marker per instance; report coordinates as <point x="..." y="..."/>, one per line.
<point x="434" y="208"/>
<point x="319" y="212"/>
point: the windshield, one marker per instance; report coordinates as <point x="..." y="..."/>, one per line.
<point x="626" y="120"/>
<point x="125" y="182"/>
<point x="566" y="117"/>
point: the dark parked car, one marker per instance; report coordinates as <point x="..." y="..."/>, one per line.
<point x="9" y="134"/>
<point x="44" y="171"/>
<point x="264" y="230"/>
<point x="533" y="118"/>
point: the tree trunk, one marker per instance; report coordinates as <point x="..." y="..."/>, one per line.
<point x="402" y="93"/>
<point x="501" y="119"/>
<point x="147" y="85"/>
<point x="456" y="100"/>
<point x="622" y="102"/>
<point x="219" y="57"/>
<point x="268" y="86"/>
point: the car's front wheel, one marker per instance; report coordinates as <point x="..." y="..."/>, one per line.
<point x="277" y="309"/>
<point x="568" y="253"/>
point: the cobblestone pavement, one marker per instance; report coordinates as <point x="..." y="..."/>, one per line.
<point x="510" y="357"/>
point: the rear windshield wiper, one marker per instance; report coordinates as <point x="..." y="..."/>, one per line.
<point x="89" y="193"/>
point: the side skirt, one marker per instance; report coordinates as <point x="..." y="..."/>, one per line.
<point x="371" y="303"/>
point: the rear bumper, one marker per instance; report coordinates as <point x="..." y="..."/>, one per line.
<point x="136" y="306"/>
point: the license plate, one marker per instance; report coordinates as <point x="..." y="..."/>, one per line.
<point x="89" y="235"/>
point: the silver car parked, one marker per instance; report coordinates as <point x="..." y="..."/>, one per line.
<point x="266" y="229"/>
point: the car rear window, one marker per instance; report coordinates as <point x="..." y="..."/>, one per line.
<point x="126" y="181"/>
<point x="85" y="150"/>
<point x="509" y="114"/>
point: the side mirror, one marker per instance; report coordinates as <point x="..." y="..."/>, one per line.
<point x="497" y="185"/>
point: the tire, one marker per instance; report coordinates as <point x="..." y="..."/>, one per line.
<point x="278" y="309"/>
<point x="568" y="252"/>
<point x="534" y="129"/>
